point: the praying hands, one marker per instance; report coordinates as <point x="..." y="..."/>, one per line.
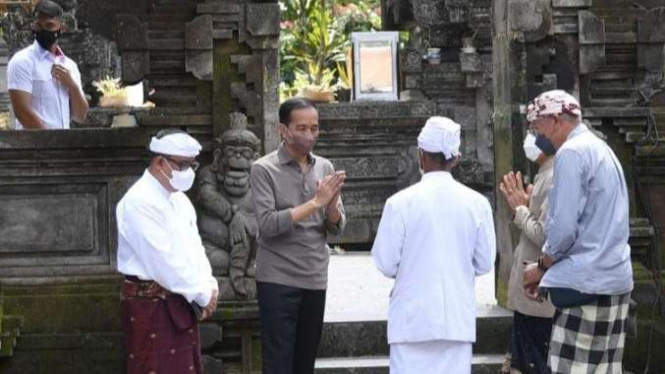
<point x="514" y="192"/>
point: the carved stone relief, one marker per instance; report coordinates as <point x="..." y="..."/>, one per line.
<point x="592" y="42"/>
<point x="651" y="40"/>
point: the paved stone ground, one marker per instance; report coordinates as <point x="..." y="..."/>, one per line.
<point x="357" y="291"/>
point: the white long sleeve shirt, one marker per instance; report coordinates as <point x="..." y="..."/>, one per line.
<point x="29" y="70"/>
<point x="158" y="240"/>
<point x="434" y="238"/>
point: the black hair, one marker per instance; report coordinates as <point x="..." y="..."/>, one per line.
<point x="292" y="104"/>
<point x="438" y="157"/>
<point x="48" y="8"/>
<point x="164" y="132"/>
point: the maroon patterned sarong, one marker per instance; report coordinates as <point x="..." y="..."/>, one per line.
<point x="161" y="331"/>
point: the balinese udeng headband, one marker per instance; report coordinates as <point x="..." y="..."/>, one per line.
<point x="440" y="135"/>
<point x="179" y="144"/>
<point x="552" y="103"/>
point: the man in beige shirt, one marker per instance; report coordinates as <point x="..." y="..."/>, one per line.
<point x="532" y="321"/>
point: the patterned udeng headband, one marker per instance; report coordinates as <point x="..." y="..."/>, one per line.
<point x="553" y="103"/>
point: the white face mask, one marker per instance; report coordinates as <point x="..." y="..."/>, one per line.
<point x="531" y="151"/>
<point x="181" y="180"/>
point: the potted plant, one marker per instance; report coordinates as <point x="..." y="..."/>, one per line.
<point x="344" y="83"/>
<point x="315" y="84"/>
<point x="113" y="95"/>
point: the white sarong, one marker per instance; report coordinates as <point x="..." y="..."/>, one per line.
<point x="431" y="357"/>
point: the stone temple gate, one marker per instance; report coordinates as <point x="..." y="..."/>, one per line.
<point x="211" y="68"/>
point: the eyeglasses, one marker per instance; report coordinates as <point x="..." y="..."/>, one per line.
<point x="182" y="165"/>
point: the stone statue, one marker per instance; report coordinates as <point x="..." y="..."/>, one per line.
<point x="227" y="222"/>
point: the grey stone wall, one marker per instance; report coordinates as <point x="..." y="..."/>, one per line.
<point x="375" y="142"/>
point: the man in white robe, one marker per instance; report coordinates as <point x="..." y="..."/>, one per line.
<point x="434" y="238"/>
<point x="168" y="283"/>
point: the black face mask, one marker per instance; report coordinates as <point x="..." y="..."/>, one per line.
<point x="47" y="38"/>
<point x="545" y="145"/>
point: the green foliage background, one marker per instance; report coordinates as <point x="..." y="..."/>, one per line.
<point x="315" y="40"/>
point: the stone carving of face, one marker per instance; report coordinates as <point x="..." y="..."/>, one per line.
<point x="236" y="183"/>
<point x="238" y="157"/>
<point x="239" y="148"/>
<point x="237" y="161"/>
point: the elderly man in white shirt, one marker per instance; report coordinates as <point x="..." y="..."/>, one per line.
<point x="168" y="283"/>
<point x="45" y="85"/>
<point x="434" y="238"/>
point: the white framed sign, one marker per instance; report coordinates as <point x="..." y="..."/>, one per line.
<point x="375" y="65"/>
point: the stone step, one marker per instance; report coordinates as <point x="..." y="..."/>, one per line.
<point x="612" y="27"/>
<point x="633" y="136"/>
<point x="480" y="364"/>
<point x="174" y="16"/>
<point x="166" y="44"/>
<point x="173" y="103"/>
<point x="611" y="90"/>
<point x="175" y="120"/>
<point x="173" y="82"/>
<point x="165" y="94"/>
<point x="620" y="37"/>
<point x="166" y="34"/>
<point x="614" y="112"/>
<point x="370" y="337"/>
<point x="164" y="26"/>
<point x="167" y="67"/>
<point x="639" y="122"/>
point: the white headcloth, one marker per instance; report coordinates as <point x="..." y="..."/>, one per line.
<point x="178" y="144"/>
<point x="440" y="135"/>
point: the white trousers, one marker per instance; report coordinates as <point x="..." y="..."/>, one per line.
<point x="431" y="357"/>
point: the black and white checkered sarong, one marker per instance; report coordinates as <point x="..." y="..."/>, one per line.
<point x="590" y="338"/>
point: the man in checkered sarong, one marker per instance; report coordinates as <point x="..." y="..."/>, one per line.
<point x="585" y="269"/>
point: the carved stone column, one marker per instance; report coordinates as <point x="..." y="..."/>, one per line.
<point x="235" y="46"/>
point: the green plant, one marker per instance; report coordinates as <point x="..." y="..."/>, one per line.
<point x="315" y="41"/>
<point x="294" y="18"/>
<point x="358" y="15"/>
<point x="314" y="38"/>
<point x="315" y="76"/>
<point x="344" y="80"/>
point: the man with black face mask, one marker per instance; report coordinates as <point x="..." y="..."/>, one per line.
<point x="532" y="319"/>
<point x="296" y="198"/>
<point x="44" y="84"/>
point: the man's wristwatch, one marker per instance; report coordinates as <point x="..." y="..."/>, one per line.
<point x="541" y="264"/>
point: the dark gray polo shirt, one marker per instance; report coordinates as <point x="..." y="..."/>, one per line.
<point x="291" y="254"/>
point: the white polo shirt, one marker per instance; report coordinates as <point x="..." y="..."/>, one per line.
<point x="29" y="70"/>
